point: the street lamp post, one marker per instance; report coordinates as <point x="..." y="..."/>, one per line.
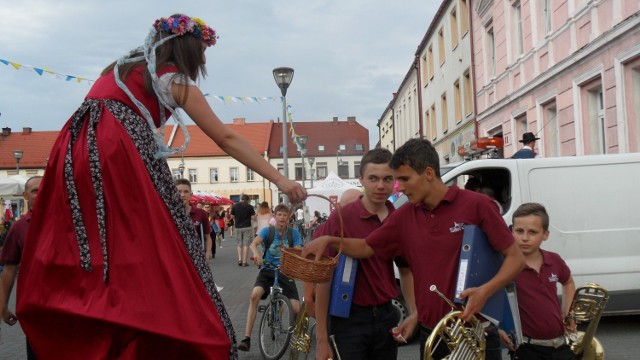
<point x="283" y="77"/>
<point x="181" y="168"/>
<point x="17" y="154"/>
<point x="302" y="139"/>
<point x="311" y="160"/>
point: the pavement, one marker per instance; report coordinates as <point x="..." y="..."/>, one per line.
<point x="237" y="283"/>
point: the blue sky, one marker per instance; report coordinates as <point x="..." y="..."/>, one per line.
<point x="349" y="56"/>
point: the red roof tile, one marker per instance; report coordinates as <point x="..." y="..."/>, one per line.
<point x="36" y="147"/>
<point x="330" y="134"/>
<point x="201" y="145"/>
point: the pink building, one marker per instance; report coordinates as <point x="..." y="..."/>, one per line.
<point x="566" y="70"/>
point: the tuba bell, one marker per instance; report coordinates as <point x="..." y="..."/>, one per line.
<point x="300" y="338"/>
<point x="587" y="306"/>
<point x="464" y="339"/>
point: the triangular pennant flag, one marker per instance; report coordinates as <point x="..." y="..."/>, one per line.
<point x="39" y="71"/>
<point x="69" y="77"/>
<point x="227" y="99"/>
<point x="27" y="67"/>
<point x="50" y="72"/>
<point x="4" y="62"/>
<point x="15" y="65"/>
<point x="220" y="98"/>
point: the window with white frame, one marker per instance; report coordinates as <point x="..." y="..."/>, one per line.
<point x="468" y="93"/>
<point x="490" y="49"/>
<point x="320" y="147"/>
<point x="359" y="147"/>
<point x="250" y="175"/>
<point x="281" y="168"/>
<point x="213" y="175"/>
<point x="464" y="13"/>
<point x="343" y="169"/>
<point x="356" y="169"/>
<point x="593" y="121"/>
<point x="632" y="92"/>
<point x="516" y="10"/>
<point x="521" y="126"/>
<point x="342" y="147"/>
<point x="298" y="171"/>
<point x="444" y="111"/>
<point x="546" y="13"/>
<point x="551" y="129"/>
<point x="457" y="104"/>
<point x="321" y="170"/>
<point x="176" y="174"/>
<point x="193" y="176"/>
<point x="441" y="54"/>
<point x="233" y="174"/>
<point x="453" y="22"/>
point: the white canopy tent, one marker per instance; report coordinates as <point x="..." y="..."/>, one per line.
<point x="12" y="185"/>
<point x="332" y="187"/>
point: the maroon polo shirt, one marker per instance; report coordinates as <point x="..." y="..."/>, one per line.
<point x="375" y="279"/>
<point x="199" y="216"/>
<point x="430" y="241"/>
<point x="540" y="312"/>
<point x="14" y="242"/>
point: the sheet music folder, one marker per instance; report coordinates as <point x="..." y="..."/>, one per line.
<point x="342" y="285"/>
<point x="478" y="264"/>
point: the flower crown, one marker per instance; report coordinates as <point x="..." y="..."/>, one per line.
<point x="185" y="25"/>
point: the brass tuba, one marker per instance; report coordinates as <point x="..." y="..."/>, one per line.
<point x="587" y="306"/>
<point x="300" y="338"/>
<point x="464" y="339"/>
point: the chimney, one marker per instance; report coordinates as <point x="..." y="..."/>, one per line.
<point x="238" y="121"/>
<point x="26" y="131"/>
<point x="351" y="119"/>
<point x="335" y="119"/>
<point x="6" y="131"/>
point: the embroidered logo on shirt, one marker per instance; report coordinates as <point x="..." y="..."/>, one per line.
<point x="456" y="227"/>
<point x="553" y="278"/>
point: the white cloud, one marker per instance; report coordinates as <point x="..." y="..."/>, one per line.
<point x="348" y="56"/>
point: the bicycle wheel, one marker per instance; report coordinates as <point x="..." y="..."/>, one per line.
<point x="274" y="334"/>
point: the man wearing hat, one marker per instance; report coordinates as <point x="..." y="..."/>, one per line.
<point x="529" y="143"/>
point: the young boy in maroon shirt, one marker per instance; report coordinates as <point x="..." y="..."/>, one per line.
<point x="543" y="320"/>
<point x="428" y="234"/>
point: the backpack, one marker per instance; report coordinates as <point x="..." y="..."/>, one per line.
<point x="272" y="235"/>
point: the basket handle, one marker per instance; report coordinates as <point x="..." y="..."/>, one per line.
<point x="336" y="205"/>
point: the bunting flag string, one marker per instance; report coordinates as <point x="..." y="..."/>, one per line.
<point x="41" y="71"/>
<point x="225" y="99"/>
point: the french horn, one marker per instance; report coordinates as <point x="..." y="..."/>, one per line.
<point x="464" y="339"/>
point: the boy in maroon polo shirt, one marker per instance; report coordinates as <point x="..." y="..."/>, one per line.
<point x="541" y="316"/>
<point x="198" y="216"/>
<point x="428" y="234"/>
<point x="366" y="333"/>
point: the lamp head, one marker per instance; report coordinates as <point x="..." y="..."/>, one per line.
<point x="283" y="77"/>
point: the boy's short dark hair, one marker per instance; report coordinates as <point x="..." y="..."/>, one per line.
<point x="534" y="209"/>
<point x="245" y="198"/>
<point x="281" y="208"/>
<point x="418" y="154"/>
<point x="183" y="182"/>
<point x="374" y="156"/>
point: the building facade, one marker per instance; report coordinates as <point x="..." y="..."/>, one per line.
<point x="566" y="70"/>
<point x="335" y="146"/>
<point x="446" y="78"/>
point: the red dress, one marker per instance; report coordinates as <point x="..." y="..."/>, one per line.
<point x="112" y="267"/>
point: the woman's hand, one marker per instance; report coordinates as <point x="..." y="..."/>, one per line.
<point x="294" y="191"/>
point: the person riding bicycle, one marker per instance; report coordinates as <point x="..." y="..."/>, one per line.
<point x="272" y="237"/>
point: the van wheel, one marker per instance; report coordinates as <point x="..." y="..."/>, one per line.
<point x="403" y="312"/>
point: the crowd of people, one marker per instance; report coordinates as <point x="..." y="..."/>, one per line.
<point x="95" y="265"/>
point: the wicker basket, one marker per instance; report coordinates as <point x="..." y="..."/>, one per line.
<point x="308" y="269"/>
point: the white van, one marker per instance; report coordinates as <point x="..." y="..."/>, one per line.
<point x="594" y="206"/>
